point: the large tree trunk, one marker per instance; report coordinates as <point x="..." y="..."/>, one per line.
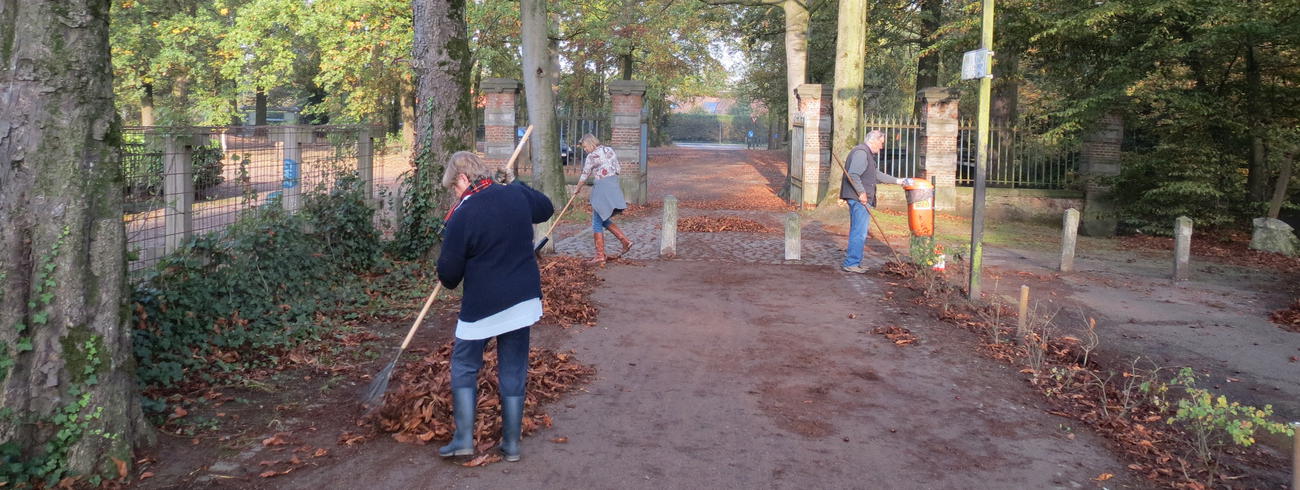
<point x="1280" y="187"/>
<point x="1257" y="175"/>
<point x="442" y="65"/>
<point x="796" y="55"/>
<point x="850" y="55"/>
<point x="259" y="108"/>
<point x="927" y="65"/>
<point x="538" y="80"/>
<point x="146" y="106"/>
<point x="1005" y="106"/>
<point x="65" y="346"/>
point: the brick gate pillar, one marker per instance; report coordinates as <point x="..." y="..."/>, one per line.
<point x="626" y="100"/>
<point x="1099" y="162"/>
<point x="499" y="121"/>
<point x="938" y="145"/>
<point x="815" y="105"/>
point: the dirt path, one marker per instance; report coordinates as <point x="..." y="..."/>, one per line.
<point x="726" y="368"/>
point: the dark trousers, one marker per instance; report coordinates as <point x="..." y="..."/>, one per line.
<point x="512" y="362"/>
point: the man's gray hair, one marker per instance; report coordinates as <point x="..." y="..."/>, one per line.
<point x="874" y="135"/>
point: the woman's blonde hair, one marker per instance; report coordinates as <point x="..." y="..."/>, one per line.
<point x="589" y="139"/>
<point x="464" y="162"/>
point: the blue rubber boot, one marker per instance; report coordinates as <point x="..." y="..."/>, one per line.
<point x="512" y="417"/>
<point x="463" y="403"/>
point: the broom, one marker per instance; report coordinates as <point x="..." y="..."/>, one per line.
<point x="537" y="249"/>
<point x="379" y="385"/>
<point x="874" y="221"/>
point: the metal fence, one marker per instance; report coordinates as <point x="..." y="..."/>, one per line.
<point x="1017" y="158"/>
<point x="901" y="154"/>
<point x="182" y="182"/>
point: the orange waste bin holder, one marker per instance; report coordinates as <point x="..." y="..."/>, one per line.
<point x="920" y="213"/>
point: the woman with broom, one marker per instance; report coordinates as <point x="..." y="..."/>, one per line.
<point x="606" y="195"/>
<point x="488" y="244"/>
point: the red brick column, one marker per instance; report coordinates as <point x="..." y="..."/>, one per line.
<point x="938" y="148"/>
<point x="1099" y="162"/>
<point x="815" y="104"/>
<point x="626" y="100"/>
<point x="499" y="120"/>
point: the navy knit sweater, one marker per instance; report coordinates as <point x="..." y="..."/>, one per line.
<point x="488" y="243"/>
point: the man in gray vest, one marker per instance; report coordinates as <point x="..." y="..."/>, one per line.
<point x="859" y="189"/>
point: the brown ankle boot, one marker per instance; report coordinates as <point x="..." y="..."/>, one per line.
<point x="599" y="259"/>
<point x="627" y="244"/>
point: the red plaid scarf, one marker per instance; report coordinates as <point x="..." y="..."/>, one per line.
<point x="482" y="184"/>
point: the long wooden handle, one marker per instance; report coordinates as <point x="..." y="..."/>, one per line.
<point x="510" y="164"/>
<point x="562" y="211"/>
<point x="420" y="319"/>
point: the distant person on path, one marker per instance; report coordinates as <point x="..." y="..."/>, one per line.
<point x="606" y="195"/>
<point x="858" y="188"/>
<point x="488" y="244"/>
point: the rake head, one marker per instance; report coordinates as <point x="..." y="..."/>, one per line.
<point x="374" y="394"/>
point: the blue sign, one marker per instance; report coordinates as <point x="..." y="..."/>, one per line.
<point x="290" y="173"/>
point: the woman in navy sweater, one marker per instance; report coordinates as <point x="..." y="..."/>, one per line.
<point x="488" y="244"/>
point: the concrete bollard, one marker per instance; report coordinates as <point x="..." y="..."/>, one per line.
<point x="668" y="232"/>
<point x="1182" y="248"/>
<point x="292" y="176"/>
<point x="1022" y="323"/>
<point x="1069" y="236"/>
<point x="366" y="162"/>
<point x="793" y="237"/>
<point x="178" y="193"/>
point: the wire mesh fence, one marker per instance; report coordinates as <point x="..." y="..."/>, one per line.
<point x="187" y="181"/>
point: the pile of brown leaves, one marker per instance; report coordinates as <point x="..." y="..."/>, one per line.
<point x="567" y="284"/>
<point x="1229" y="247"/>
<point x="896" y="334"/>
<point x="712" y="224"/>
<point x="418" y="409"/>
<point x="1288" y="318"/>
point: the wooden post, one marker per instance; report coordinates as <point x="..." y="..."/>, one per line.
<point x="1182" y="248"/>
<point x="1022" y="324"/>
<point x="292" y="177"/>
<point x="668" y="232"/>
<point x="1069" y="236"/>
<point x="366" y="162"/>
<point x="1295" y="456"/>
<point x="793" y="237"/>
<point x="178" y="193"/>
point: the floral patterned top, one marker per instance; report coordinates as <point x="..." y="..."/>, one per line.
<point x="600" y="163"/>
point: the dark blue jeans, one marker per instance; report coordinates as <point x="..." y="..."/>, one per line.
<point x="512" y="365"/>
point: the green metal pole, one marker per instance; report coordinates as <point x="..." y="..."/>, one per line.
<point x="981" y="159"/>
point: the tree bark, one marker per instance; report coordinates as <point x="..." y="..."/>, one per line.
<point x="850" y="56"/>
<point x="927" y="65"/>
<point x="1257" y="172"/>
<point x="65" y="345"/>
<point x="146" y="106"/>
<point x="1005" y="106"/>
<point x="442" y="65"/>
<point x="796" y="55"/>
<point x="548" y="173"/>
<point x="1280" y="187"/>
<point x="259" y="108"/>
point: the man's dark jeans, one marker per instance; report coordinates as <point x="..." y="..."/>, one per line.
<point x="512" y="366"/>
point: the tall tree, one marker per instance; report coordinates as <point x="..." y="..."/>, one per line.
<point x="540" y="97"/>
<point x="796" y="54"/>
<point x="69" y="404"/>
<point x="850" y="55"/>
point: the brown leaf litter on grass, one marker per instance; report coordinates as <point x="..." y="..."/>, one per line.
<point x="1230" y="248"/>
<point x="898" y="335"/>
<point x="714" y="224"/>
<point x="1288" y="318"/>
<point x="418" y="408"/>
<point x="567" y="284"/>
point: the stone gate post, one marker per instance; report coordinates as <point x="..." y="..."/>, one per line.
<point x="1100" y="160"/>
<point x="626" y="99"/>
<point x="815" y="105"/>
<point x="938" y="145"/>
<point x="499" y="121"/>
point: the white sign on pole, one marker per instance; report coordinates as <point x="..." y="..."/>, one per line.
<point x="977" y="64"/>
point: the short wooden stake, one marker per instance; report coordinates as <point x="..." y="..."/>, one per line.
<point x="1022" y="325"/>
<point x="793" y="237"/>
<point x="668" y="232"/>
